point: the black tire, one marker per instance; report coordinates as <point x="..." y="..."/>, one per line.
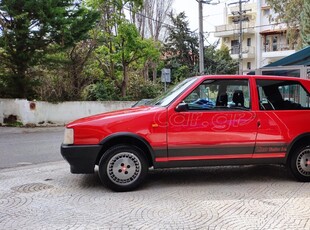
<point x="123" y="168"/>
<point x="300" y="163"/>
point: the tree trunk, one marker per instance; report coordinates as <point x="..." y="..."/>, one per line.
<point x="21" y="83"/>
<point x="146" y="71"/>
<point x="154" y="67"/>
<point x="125" y="80"/>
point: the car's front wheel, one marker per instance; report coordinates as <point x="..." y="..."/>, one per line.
<point x="300" y="163"/>
<point x="123" y="168"/>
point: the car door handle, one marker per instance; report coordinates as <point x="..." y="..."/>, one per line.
<point x="258" y="124"/>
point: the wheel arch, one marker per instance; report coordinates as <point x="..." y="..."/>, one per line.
<point x="301" y="140"/>
<point x="127" y="138"/>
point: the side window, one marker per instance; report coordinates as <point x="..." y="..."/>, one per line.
<point x="220" y="95"/>
<point x="282" y="95"/>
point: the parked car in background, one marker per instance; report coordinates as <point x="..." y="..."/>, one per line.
<point x="203" y="121"/>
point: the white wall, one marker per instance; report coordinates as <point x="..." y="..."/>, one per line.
<point x="46" y="113"/>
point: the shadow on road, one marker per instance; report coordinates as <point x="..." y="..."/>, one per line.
<point x="230" y="175"/>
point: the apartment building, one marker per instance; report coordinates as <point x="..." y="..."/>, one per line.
<point x="263" y="42"/>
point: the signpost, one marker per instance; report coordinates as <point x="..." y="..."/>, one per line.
<point x="166" y="77"/>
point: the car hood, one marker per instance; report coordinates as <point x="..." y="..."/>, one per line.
<point x="119" y="114"/>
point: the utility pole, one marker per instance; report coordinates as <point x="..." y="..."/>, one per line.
<point x="201" y="37"/>
<point x="201" y="40"/>
<point x="239" y="19"/>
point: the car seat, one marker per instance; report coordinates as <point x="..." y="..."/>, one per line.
<point x="222" y="100"/>
<point x="238" y="98"/>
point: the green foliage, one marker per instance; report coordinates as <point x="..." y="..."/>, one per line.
<point x="288" y="11"/>
<point x="28" y="27"/>
<point x="140" y="89"/>
<point x="116" y="4"/>
<point x="60" y="50"/>
<point x="14" y="124"/>
<point x="219" y="61"/>
<point x="305" y="25"/>
<point x="100" y="91"/>
<point x="124" y="52"/>
<point x="181" y="48"/>
<point x="180" y="73"/>
<point x="132" y="49"/>
<point x="182" y="55"/>
<point x="66" y="73"/>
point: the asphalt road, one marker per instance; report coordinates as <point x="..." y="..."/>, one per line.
<point x="27" y="146"/>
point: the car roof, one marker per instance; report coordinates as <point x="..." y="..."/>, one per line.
<point x="252" y="76"/>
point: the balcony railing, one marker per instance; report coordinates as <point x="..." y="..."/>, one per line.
<point x="246" y="50"/>
<point x="232" y="27"/>
<point x="248" y="6"/>
<point x="276" y="47"/>
<point x="234" y="50"/>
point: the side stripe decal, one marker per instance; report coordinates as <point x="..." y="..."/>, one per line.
<point x="221" y="157"/>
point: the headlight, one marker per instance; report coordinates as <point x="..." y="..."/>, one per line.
<point x="69" y="136"/>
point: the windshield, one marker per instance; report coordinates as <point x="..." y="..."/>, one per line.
<point x="166" y="98"/>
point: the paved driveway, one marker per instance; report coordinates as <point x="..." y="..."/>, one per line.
<point x="47" y="196"/>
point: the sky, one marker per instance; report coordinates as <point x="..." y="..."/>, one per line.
<point x="213" y="15"/>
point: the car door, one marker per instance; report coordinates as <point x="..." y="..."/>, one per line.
<point x="213" y="123"/>
<point x="283" y="116"/>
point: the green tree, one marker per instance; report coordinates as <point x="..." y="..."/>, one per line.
<point x="28" y="28"/>
<point x="100" y="91"/>
<point x="181" y="52"/>
<point x="65" y="73"/>
<point x="219" y="61"/>
<point x="181" y="48"/>
<point x="305" y="25"/>
<point x="125" y="51"/>
<point x="288" y="12"/>
<point x="139" y="89"/>
<point x="121" y="48"/>
<point x="132" y="48"/>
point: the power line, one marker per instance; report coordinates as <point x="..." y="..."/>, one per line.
<point x="210" y="15"/>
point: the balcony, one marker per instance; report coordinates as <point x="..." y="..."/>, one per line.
<point x="250" y="7"/>
<point x="232" y="29"/>
<point x="276" y="51"/>
<point x="248" y="52"/>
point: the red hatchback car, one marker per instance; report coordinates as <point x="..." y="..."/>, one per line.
<point x="203" y="121"/>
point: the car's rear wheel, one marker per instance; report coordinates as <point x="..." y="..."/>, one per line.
<point x="300" y="163"/>
<point x="123" y="168"/>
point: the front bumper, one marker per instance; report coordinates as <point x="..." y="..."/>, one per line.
<point x="82" y="158"/>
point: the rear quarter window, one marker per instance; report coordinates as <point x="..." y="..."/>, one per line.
<point x="282" y="95"/>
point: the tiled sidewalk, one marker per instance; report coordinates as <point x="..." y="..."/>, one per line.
<point x="47" y="196"/>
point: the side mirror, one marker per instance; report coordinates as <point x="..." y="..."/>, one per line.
<point x="182" y="107"/>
